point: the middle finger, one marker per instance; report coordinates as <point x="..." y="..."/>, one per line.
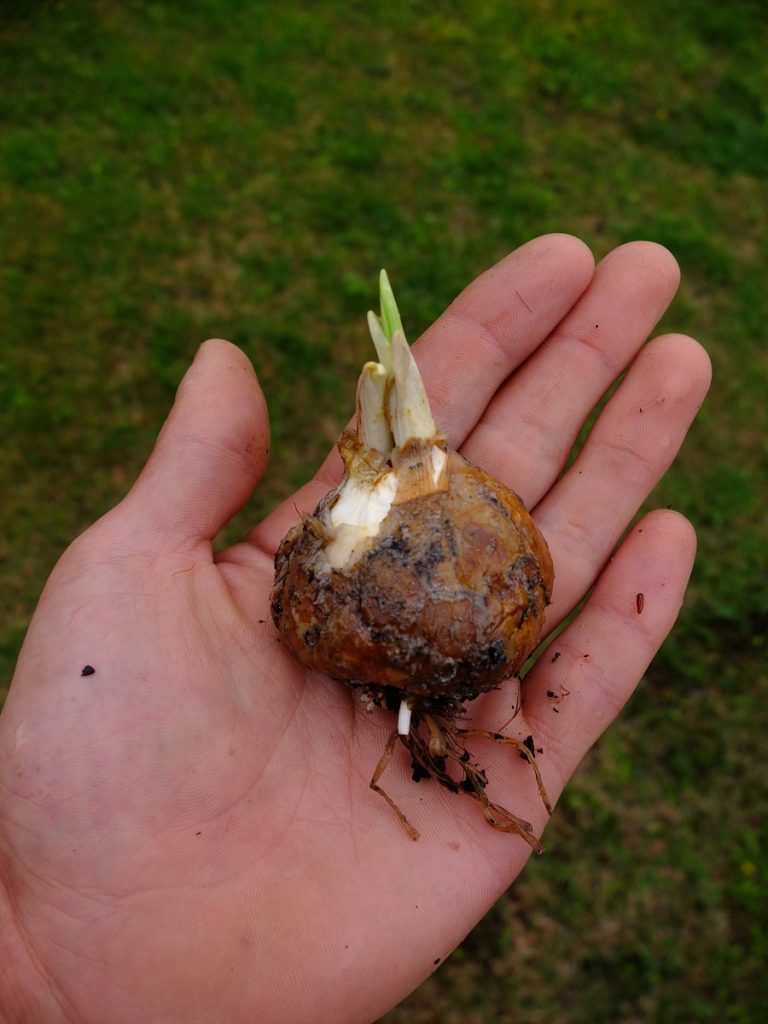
<point x="529" y="429"/>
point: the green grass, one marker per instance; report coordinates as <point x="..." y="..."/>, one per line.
<point x="171" y="171"/>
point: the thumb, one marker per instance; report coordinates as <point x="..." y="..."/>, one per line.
<point x="211" y="452"/>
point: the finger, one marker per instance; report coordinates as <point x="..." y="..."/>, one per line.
<point x="210" y="454"/>
<point x="486" y="332"/>
<point x="495" y="323"/>
<point x="529" y="429"/>
<point x="630" y="447"/>
<point x="587" y="675"/>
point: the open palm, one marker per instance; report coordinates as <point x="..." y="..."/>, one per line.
<point x="187" y="832"/>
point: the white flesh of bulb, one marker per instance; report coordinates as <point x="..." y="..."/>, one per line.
<point x="362" y="507"/>
<point x="404" y="718"/>
<point x="439" y="459"/>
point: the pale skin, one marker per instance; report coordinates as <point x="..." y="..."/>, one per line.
<point x="188" y="833"/>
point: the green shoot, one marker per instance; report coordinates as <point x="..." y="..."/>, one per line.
<point x="384" y="327"/>
<point x="390" y="315"/>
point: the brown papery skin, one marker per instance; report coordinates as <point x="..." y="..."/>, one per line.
<point x="447" y="602"/>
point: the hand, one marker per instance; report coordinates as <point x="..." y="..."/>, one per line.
<point x="187" y="834"/>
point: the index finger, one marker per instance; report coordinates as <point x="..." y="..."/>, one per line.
<point x="465" y="356"/>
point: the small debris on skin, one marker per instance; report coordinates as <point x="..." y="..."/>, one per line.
<point x="436" y="962"/>
<point x="517" y="293"/>
<point x="529" y="744"/>
<point x="551" y="693"/>
<point x="639" y="603"/>
<point x="555" y="656"/>
<point x="88" y="670"/>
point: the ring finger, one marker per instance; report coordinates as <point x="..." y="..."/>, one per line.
<point x="630" y="447"/>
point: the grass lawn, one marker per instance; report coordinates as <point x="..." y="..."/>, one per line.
<point x="171" y="171"/>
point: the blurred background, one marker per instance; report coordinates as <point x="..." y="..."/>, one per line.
<point x="176" y="170"/>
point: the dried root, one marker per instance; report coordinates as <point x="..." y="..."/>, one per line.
<point x="442" y="755"/>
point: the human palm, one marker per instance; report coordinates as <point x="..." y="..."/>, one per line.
<point x="187" y="833"/>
